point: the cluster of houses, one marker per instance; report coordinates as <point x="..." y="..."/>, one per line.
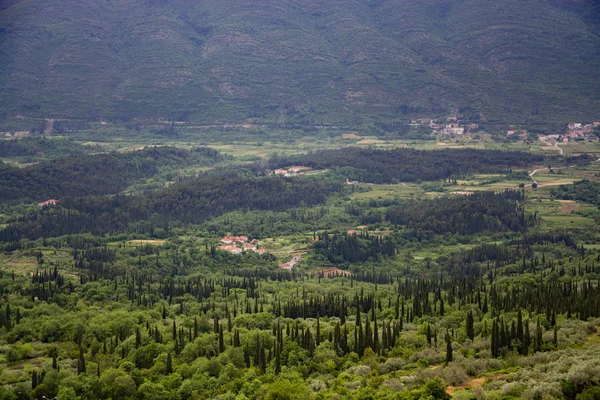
<point x="239" y="244"/>
<point x="577" y="130"/>
<point x="452" y="126"/>
<point x="291" y="171"/>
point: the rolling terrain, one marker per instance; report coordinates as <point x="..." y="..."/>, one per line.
<point x="300" y="62"/>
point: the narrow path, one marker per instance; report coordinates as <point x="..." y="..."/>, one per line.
<point x="534" y="172"/>
<point x="559" y="149"/>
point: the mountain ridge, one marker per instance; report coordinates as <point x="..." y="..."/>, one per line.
<point x="301" y="62"/>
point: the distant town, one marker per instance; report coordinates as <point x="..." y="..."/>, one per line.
<point x="453" y="126"/>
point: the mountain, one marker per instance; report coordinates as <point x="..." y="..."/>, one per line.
<point x="301" y="61"/>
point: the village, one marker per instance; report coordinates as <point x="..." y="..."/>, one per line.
<point x="291" y="171"/>
<point x="454" y="126"/>
<point x="241" y="244"/>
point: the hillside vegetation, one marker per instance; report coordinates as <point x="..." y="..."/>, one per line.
<point x="304" y="62"/>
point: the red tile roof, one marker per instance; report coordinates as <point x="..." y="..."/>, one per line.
<point x="50" y="202"/>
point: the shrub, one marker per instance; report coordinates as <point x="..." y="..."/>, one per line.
<point x="392" y="364"/>
<point x="435" y="389"/>
<point x="515" y="389"/>
<point x="431" y="355"/>
<point x="592" y="393"/>
<point x="454" y="374"/>
<point x="360" y="370"/>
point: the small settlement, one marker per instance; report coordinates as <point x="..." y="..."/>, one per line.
<point x="291" y="171"/>
<point x="454" y="126"/>
<point x="239" y="244"/>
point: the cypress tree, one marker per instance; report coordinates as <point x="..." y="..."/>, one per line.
<point x="428" y="335"/>
<point x="318" y="334"/>
<point x="537" y="343"/>
<point x="221" y="341"/>
<point x="469" y="326"/>
<point x="138" y="338"/>
<point x="247" y="356"/>
<point x="520" y="337"/>
<point x="277" y="359"/>
<point x="448" y="348"/>
<point x="81" y="362"/>
<point x="34" y="379"/>
<point x="236" y="338"/>
<point x="7" y="322"/>
<point x="495" y="339"/>
<point x="169" y="365"/>
<point x="376" y="346"/>
<point x="526" y="339"/>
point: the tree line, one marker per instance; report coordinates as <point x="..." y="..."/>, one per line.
<point x="93" y="175"/>
<point x="410" y="165"/>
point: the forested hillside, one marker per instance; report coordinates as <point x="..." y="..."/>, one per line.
<point x="409" y="165"/>
<point x="304" y="62"/>
<point x="92" y="175"/>
<point x="40" y="147"/>
<point x="442" y="274"/>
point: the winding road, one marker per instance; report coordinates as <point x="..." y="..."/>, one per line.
<point x="534" y="172"/>
<point x="559" y="149"/>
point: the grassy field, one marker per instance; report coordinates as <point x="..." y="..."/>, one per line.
<point x="401" y="190"/>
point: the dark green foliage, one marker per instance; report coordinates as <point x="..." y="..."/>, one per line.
<point x="410" y="165"/>
<point x="181" y="319"/>
<point x="91" y="175"/>
<point x="468" y="214"/>
<point x="41" y="147"/>
<point x="191" y="201"/>
<point x="585" y="191"/>
<point x="81" y="362"/>
<point x="469" y="326"/>
<point x="435" y="389"/>
<point x="369" y="61"/>
<point x="592" y="393"/>
<point x="448" y="348"/>
<point x="353" y="247"/>
<point x="169" y="365"/>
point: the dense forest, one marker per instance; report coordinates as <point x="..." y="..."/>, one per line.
<point x="465" y="214"/>
<point x="299" y="200"/>
<point x="89" y="175"/>
<point x="189" y="202"/>
<point x="168" y="332"/>
<point x="136" y="296"/>
<point x="41" y="147"/>
<point x="409" y="165"/>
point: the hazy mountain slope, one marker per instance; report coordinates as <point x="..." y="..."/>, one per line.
<point x="303" y="61"/>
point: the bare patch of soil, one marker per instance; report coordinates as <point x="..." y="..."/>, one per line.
<point x="569" y="205"/>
